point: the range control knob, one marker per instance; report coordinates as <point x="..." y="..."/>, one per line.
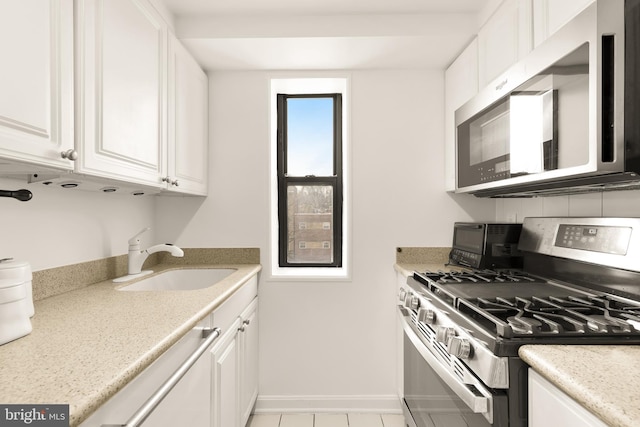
<point x="459" y="347"/>
<point x="407" y="299"/>
<point x="402" y="295"/>
<point x="427" y="316"/>
<point x="414" y="302"/>
<point x="444" y="334"/>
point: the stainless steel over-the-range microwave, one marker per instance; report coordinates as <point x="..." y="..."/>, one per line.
<point x="565" y="119"/>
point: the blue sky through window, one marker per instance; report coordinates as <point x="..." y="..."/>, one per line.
<point x="310" y="136"/>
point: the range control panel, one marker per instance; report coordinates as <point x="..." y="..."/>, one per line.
<point x="596" y="238"/>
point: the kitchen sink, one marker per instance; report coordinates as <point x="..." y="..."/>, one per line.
<point x="187" y="279"/>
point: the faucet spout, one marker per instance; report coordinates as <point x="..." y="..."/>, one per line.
<point x="166" y="247"/>
<point x="137" y="257"/>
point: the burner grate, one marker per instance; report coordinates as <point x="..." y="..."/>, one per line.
<point x="549" y="316"/>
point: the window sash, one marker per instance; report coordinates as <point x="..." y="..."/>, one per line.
<point x="284" y="181"/>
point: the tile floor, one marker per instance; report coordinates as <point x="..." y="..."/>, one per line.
<point x="326" y="420"/>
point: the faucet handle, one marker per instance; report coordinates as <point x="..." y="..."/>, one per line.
<point x="135" y="240"/>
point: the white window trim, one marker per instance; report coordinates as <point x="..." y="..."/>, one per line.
<point x="311" y="86"/>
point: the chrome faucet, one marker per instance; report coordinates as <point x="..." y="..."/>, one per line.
<point x="137" y="257"/>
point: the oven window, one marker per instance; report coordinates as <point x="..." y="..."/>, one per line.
<point x="430" y="401"/>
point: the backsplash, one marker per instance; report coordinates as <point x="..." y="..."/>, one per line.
<point x="55" y="281"/>
<point x="605" y="204"/>
<point x="422" y="255"/>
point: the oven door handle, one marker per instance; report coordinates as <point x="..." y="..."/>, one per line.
<point x="477" y="404"/>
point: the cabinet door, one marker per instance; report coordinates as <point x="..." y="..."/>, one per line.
<point x="248" y="372"/>
<point x="504" y="39"/>
<point x="121" y="90"/>
<point x="550" y="15"/>
<point x="187" y="157"/>
<point x="224" y="379"/>
<point x="549" y="406"/>
<point x="36" y="81"/>
<point x="461" y="84"/>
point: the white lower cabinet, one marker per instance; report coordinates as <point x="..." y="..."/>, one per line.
<point x="235" y="370"/>
<point x="248" y="369"/>
<point x="225" y="379"/>
<point x="220" y="388"/>
<point x="550" y="406"/>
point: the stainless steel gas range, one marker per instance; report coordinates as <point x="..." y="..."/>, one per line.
<point x="580" y="284"/>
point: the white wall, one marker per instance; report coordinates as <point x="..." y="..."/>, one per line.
<point x="329" y="345"/>
<point x="67" y="226"/>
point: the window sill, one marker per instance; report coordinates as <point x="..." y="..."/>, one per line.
<point x="311" y="274"/>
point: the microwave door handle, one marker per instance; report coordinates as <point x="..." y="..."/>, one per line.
<point x="477" y="404"/>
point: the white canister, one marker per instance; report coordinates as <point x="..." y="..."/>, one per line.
<point x="16" y="301"/>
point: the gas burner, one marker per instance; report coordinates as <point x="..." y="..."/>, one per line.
<point x="478" y="276"/>
<point x="559" y="316"/>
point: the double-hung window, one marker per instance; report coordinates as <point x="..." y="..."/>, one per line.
<point x="310" y="180"/>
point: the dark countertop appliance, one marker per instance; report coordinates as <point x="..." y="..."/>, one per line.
<point x="486" y="245"/>
<point x="580" y="284"/>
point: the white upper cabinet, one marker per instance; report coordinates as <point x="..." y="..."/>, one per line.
<point x="504" y="39"/>
<point x="121" y="83"/>
<point x="550" y="15"/>
<point x="36" y="81"/>
<point x="461" y="84"/>
<point x="187" y="156"/>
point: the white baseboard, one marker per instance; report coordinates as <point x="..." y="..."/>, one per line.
<point x="328" y="404"/>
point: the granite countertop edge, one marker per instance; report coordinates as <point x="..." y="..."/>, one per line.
<point x="66" y="359"/>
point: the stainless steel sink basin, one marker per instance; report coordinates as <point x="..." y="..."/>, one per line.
<point x="180" y="280"/>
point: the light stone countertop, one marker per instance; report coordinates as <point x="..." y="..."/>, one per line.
<point x="90" y="342"/>
<point x="604" y="379"/>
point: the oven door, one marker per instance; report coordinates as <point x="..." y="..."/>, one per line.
<point x="436" y="396"/>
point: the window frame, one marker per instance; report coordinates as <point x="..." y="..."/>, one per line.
<point x="336" y="181"/>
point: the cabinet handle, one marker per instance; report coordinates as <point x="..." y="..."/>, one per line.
<point x="244" y="323"/>
<point x="170" y="181"/>
<point x="147" y="408"/>
<point x="70" y="154"/>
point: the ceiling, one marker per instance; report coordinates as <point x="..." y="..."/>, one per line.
<point x="325" y="34"/>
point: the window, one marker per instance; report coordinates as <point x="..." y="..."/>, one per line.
<point x="310" y="200"/>
<point x="310" y="180"/>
